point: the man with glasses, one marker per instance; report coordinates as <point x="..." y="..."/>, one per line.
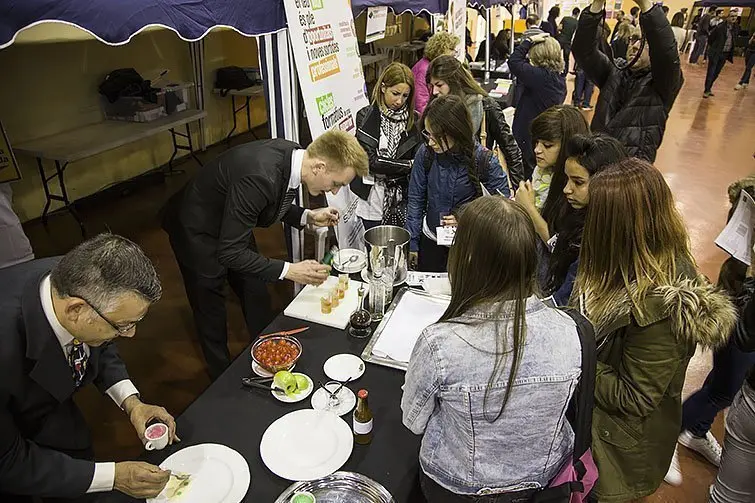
<point x="635" y="101"/>
<point x="58" y="320"/>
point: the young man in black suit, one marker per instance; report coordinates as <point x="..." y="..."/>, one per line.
<point x="58" y="318"/>
<point x="210" y="223"/>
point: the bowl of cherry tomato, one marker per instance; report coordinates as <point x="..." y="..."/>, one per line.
<point x="276" y="353"/>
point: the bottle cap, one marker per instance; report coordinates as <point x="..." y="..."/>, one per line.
<point x="362" y="394"/>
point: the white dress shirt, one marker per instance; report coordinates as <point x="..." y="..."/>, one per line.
<point x="104" y="473"/>
<point x="294" y="181"/>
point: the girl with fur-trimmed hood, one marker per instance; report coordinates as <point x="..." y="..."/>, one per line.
<point x="638" y="284"/>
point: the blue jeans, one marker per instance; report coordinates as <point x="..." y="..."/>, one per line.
<point x="749" y="63"/>
<point x="583" y="88"/>
<point x="701" y="41"/>
<point x="715" y="65"/>
<point x="730" y="367"/>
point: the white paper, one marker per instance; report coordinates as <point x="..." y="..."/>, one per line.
<point x="736" y="238"/>
<point x="376" y="20"/>
<point x="445" y="235"/>
<point x="411" y="316"/>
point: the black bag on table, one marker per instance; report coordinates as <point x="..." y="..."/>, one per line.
<point x="126" y="82"/>
<point x="232" y="77"/>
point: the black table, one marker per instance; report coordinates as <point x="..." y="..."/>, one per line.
<point x="231" y="415"/>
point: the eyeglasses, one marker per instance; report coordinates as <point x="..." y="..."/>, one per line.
<point x="122" y="329"/>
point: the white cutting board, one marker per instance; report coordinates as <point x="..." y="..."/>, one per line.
<point x="306" y="305"/>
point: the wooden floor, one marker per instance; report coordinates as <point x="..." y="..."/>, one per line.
<point x="708" y="144"/>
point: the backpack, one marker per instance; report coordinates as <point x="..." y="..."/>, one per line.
<point x="578" y="476"/>
<point x="126" y="82"/>
<point x="232" y="77"/>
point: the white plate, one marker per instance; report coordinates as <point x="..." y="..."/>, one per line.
<point x="350" y="267"/>
<point x="366" y="278"/>
<point x="341" y="367"/>
<point x="346" y="397"/>
<point x="264" y="373"/>
<point x="306" y="444"/>
<point x="298" y="397"/>
<point x="218" y="474"/>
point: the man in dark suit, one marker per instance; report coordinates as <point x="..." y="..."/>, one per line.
<point x="721" y="43"/>
<point x="210" y="223"/>
<point x="58" y="320"/>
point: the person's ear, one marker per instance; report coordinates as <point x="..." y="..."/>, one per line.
<point x="74" y="309"/>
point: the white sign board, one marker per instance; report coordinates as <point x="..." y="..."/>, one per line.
<point x="457" y="23"/>
<point x="376" y="21"/>
<point x="326" y="53"/>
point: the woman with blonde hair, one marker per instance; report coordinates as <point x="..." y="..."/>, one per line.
<point x="488" y="385"/>
<point x="387" y="131"/>
<point x="440" y="44"/>
<point x="620" y="44"/>
<point x="447" y="75"/>
<point x="542" y="86"/>
<point x="637" y="283"/>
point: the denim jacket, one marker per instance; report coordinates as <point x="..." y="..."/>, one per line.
<point x="445" y="188"/>
<point x="444" y="398"/>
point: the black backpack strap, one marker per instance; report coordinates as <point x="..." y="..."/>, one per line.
<point x="483" y="159"/>
<point x="584" y="396"/>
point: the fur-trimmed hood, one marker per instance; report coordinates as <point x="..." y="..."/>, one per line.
<point x="699" y="312"/>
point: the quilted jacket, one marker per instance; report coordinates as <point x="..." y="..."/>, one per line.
<point x="633" y="105"/>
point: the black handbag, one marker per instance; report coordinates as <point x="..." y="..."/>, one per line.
<point x="232" y="77"/>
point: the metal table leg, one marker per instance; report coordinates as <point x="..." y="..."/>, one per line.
<point x="62" y="197"/>
<point x="189" y="147"/>
<point x="233" y="109"/>
<point x="249" y="118"/>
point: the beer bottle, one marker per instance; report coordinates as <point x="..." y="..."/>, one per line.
<point x="362" y="420"/>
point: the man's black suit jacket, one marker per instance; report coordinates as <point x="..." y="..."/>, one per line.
<point x="210" y="221"/>
<point x="39" y="423"/>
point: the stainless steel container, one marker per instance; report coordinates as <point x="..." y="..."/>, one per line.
<point x="386" y="242"/>
<point x="341" y="487"/>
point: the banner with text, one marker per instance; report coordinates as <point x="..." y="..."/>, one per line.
<point x="326" y="53"/>
<point x="457" y="24"/>
<point x="376" y="21"/>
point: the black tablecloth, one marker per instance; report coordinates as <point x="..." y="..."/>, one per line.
<point x="226" y="413"/>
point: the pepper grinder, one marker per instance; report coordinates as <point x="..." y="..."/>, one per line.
<point x="360" y="321"/>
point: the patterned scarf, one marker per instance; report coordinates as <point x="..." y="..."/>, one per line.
<point x="393" y="123"/>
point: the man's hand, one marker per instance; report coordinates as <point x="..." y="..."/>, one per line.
<point x="449" y="221"/>
<point x="413" y="260"/>
<point x="139" y="480"/>
<point x="525" y="196"/>
<point x="540" y="37"/>
<point x="140" y="414"/>
<point x="308" y="272"/>
<point x="323" y="217"/>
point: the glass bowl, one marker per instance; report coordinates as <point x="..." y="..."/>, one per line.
<point x="269" y="364"/>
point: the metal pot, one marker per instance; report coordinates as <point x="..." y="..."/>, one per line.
<point x="388" y="244"/>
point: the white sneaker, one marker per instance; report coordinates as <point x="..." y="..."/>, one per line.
<point x="674" y="474"/>
<point x="738" y="87"/>
<point x="707" y="446"/>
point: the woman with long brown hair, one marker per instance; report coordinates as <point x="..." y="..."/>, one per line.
<point x="637" y="283"/>
<point x="447" y="75"/>
<point x="387" y="131"/>
<point x="489" y="384"/>
<point x="450" y="170"/>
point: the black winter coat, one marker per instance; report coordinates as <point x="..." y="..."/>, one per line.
<point x="744" y="334"/>
<point x="717" y="40"/>
<point x="633" y="105"/>
<point x="392" y="170"/>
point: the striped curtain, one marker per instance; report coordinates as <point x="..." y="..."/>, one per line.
<point x="282" y="100"/>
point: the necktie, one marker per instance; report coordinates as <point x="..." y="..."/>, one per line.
<point x="286" y="204"/>
<point x="77" y="359"/>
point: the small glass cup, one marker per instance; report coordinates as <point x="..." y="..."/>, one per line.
<point x="341" y="291"/>
<point x="343" y="279"/>
<point x="334" y="297"/>
<point x="326" y="304"/>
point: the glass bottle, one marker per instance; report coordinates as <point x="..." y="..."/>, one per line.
<point x="362" y="420"/>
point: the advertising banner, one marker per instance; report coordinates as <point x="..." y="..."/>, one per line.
<point x="8" y="166"/>
<point x="326" y="53"/>
<point x="376" y="21"/>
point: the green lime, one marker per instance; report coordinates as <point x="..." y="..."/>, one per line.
<point x="301" y="382"/>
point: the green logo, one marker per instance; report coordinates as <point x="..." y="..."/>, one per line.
<point x="317" y="4"/>
<point x="325" y="103"/>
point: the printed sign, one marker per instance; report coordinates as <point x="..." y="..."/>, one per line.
<point x="457" y="23"/>
<point x="376" y="21"/>
<point x="326" y="53"/>
<point x="8" y="165"/>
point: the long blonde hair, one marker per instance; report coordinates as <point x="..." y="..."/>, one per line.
<point x="634" y="239"/>
<point x="394" y="74"/>
<point x="547" y="54"/>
